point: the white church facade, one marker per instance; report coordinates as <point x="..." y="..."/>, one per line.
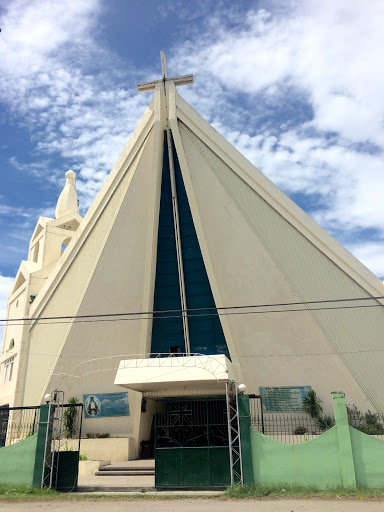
<point x="187" y="249"/>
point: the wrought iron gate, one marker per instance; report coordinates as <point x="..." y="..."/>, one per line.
<point x="191" y="443"/>
<point x="4" y="417"/>
<point x="60" y="465"/>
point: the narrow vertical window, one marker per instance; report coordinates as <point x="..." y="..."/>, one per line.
<point x="7" y="370"/>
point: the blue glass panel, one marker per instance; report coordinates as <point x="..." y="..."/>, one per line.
<point x="206" y="333"/>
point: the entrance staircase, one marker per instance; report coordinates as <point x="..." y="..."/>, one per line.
<point x="116" y="469"/>
<point x="129" y="476"/>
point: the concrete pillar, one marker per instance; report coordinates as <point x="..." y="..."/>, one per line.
<point x="40" y="446"/>
<point x="345" y="446"/>
<point x="245" y="437"/>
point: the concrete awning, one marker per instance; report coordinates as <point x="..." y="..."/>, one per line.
<point x="176" y="375"/>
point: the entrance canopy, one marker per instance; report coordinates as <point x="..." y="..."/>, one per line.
<point x="176" y="375"/>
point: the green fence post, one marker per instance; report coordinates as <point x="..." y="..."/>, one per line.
<point x="40" y="446"/>
<point x="344" y="437"/>
<point x="245" y="438"/>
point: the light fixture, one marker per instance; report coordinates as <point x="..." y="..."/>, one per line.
<point x="242" y="388"/>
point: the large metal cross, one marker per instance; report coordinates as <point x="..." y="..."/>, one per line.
<point x="178" y="80"/>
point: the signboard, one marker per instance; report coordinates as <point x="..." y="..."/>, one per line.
<point x="106" y="404"/>
<point x="284" y="398"/>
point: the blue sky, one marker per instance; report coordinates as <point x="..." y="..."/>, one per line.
<point x="296" y="86"/>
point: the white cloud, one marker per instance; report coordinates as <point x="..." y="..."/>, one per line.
<point x="297" y="87"/>
<point x="371" y="254"/>
<point x="310" y="76"/>
<point x="85" y="117"/>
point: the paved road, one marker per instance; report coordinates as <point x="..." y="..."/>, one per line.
<point x="313" y="505"/>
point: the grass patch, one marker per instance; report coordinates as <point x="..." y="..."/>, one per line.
<point x="296" y="491"/>
<point x="251" y="491"/>
<point x="9" y="492"/>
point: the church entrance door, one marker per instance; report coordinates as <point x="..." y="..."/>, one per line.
<point x="191" y="443"/>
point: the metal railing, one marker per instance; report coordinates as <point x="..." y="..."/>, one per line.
<point x="288" y="428"/>
<point x="18" y="423"/>
<point x="370" y="423"/>
<point x="185" y="423"/>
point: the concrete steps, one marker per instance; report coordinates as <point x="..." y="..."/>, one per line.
<point x="130" y="468"/>
<point x="128" y="476"/>
<point x="124" y="472"/>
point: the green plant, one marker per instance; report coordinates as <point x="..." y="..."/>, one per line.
<point x="32" y="298"/>
<point x="70" y="417"/>
<point x="371" y="418"/>
<point x="325" y="422"/>
<point x="371" y="430"/>
<point x="312" y="404"/>
<point x="353" y="412"/>
<point x="82" y="456"/>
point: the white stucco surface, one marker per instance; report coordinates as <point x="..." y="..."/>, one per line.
<point x="169" y="374"/>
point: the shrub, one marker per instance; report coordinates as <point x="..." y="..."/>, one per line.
<point x="299" y="431"/>
<point x="371" y="429"/>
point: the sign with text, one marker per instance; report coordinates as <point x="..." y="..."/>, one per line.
<point x="106" y="404"/>
<point x="284" y="398"/>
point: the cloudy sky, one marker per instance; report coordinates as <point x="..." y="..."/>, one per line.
<point x="296" y="86"/>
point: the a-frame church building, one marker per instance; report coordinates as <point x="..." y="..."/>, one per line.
<point x="187" y="249"/>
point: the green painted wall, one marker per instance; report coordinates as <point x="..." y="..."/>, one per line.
<point x="368" y="457"/>
<point x="341" y="456"/>
<point x="17" y="462"/>
<point x="315" y="462"/>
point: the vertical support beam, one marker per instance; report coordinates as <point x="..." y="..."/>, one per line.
<point x="344" y="437"/>
<point x="234" y="435"/>
<point x="176" y="223"/>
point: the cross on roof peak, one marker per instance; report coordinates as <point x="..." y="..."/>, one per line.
<point x="178" y="80"/>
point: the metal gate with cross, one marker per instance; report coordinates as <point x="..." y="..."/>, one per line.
<point x="192" y="443"/>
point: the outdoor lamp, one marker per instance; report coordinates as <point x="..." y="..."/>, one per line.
<point x="242" y="388"/>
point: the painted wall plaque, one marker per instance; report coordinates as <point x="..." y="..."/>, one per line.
<point x="283" y="398"/>
<point x="106" y="404"/>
